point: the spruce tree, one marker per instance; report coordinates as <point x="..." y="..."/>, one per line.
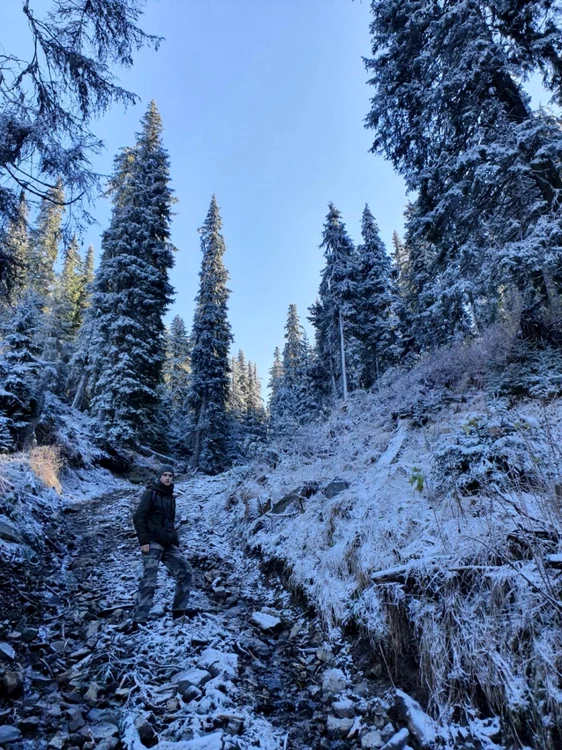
<point x="255" y="411"/>
<point x="86" y="283"/>
<point x="45" y="241"/>
<point x="376" y="324"/>
<point x="211" y="336"/>
<point x="275" y="382"/>
<point x="14" y="254"/>
<point x="177" y="367"/>
<point x="22" y="391"/>
<point x="71" y="286"/>
<point x="238" y="392"/>
<point x="291" y="402"/>
<point x="333" y="313"/>
<point x="125" y="331"/>
<point x="450" y="111"/>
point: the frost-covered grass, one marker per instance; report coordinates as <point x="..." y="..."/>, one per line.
<point x="439" y="547"/>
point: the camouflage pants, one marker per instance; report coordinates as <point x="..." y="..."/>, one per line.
<point x="178" y="567"/>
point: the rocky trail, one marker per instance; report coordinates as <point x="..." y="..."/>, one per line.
<point x="253" y="669"/>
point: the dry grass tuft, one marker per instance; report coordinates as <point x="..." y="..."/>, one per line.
<point x="46" y="463"/>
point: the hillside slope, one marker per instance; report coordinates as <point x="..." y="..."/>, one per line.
<point x="440" y="538"/>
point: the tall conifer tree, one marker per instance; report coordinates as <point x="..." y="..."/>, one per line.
<point x="14" y="254"/>
<point x="45" y="242"/>
<point x="132" y="291"/>
<point x="450" y="111"/>
<point x="211" y="336"/>
<point x="376" y="325"/>
<point x="332" y="315"/>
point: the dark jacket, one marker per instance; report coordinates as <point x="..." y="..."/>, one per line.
<point x="154" y="518"/>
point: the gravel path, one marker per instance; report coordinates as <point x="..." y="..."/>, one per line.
<point x="252" y="670"/>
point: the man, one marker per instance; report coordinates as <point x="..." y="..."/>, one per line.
<point x="154" y="523"/>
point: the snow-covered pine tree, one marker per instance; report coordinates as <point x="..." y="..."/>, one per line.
<point x="211" y="337"/>
<point x="238" y="391"/>
<point x="177" y="369"/>
<point x="399" y="256"/>
<point x="255" y="411"/>
<point x="132" y="292"/>
<point x="375" y="320"/>
<point x="333" y="313"/>
<point x="64" y="316"/>
<point x="275" y="382"/>
<point x="87" y="281"/>
<point x="45" y="240"/>
<point x="22" y="391"/>
<point x="71" y="289"/>
<point x="14" y="255"/>
<point x="450" y="111"/>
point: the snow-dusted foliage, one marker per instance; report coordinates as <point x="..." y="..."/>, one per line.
<point x="211" y="337"/>
<point x="131" y="292"/>
<point x="449" y="109"/>
<point x="54" y="84"/>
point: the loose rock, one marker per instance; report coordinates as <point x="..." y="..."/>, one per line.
<point x="398" y="741"/>
<point x="146" y="732"/>
<point x="104" y="730"/>
<point x="335" y="487"/>
<point x="11" y="684"/>
<point x="9" y="733"/>
<point x="422" y="727"/>
<point x="345" y="708"/>
<point x="333" y="682"/>
<point x="7" y="651"/>
<point x="338" y="728"/>
<point x="265" y="621"/>
<point x="372" y="740"/>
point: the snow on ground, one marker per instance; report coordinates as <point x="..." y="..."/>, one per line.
<point x="438" y="547"/>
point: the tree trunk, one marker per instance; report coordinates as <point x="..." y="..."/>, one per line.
<point x="196" y="455"/>
<point x="342" y="352"/>
<point x="79" y="397"/>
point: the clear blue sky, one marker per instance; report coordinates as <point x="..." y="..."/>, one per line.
<point x="263" y="104"/>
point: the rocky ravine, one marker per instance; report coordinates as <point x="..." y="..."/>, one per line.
<point x="252" y="670"/>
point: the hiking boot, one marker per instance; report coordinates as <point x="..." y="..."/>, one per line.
<point x="187" y="612"/>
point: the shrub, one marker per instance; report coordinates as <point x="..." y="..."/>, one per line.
<point x="496" y="448"/>
<point x="46" y="463"/>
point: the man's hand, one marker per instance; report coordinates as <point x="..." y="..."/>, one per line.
<point x="145" y="549"/>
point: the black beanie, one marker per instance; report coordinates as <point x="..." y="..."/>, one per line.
<point x="164" y="468"/>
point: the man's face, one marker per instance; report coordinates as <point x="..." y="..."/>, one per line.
<point x="167" y="478"/>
